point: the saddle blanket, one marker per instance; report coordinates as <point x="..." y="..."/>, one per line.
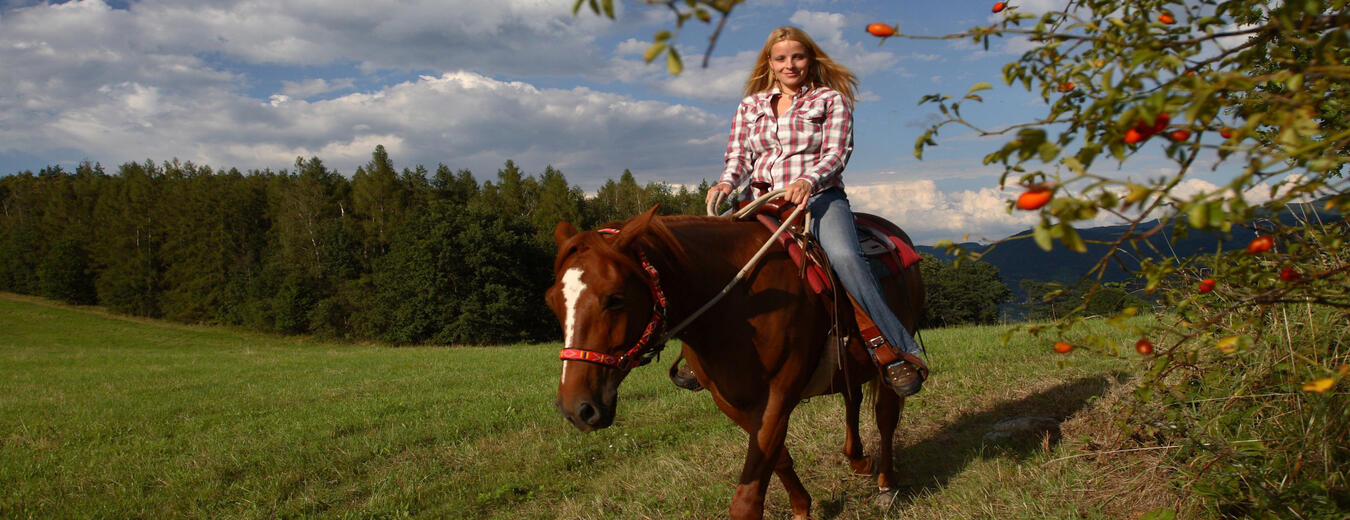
<point x="879" y="244"/>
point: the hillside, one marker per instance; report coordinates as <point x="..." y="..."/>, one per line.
<point x="110" y="416"/>
<point x="1019" y="258"/>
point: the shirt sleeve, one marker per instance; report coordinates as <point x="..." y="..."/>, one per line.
<point x="836" y="144"/>
<point x="739" y="158"/>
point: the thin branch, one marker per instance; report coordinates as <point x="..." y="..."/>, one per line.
<point x="712" y="40"/>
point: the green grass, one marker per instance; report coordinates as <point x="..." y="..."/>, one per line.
<point x="108" y="416"/>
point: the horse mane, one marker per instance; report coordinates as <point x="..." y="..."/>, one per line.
<point x="654" y="238"/>
<point x="658" y="237"/>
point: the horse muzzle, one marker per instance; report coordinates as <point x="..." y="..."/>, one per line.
<point x="585" y="413"/>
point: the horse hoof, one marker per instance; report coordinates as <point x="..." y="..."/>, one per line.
<point x="885" y="498"/>
<point x="684" y="377"/>
<point x="861" y="466"/>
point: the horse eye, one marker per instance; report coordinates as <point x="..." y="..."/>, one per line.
<point x="614" y="302"/>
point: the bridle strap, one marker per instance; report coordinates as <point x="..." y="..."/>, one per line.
<point x="645" y="349"/>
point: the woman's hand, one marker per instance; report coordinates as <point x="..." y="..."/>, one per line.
<point x="720" y="187"/>
<point x="798" y="192"/>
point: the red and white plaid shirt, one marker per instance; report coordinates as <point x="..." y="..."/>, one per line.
<point x="812" y="140"/>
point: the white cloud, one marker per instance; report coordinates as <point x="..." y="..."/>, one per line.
<point x="157" y="80"/>
<point x="464" y="119"/>
<point x="315" y="86"/>
<point x="929" y="214"/>
<point x="826" y="28"/>
<point x="722" y="81"/>
<point x="631" y="47"/>
<point x="1190" y="188"/>
<point x="506" y="36"/>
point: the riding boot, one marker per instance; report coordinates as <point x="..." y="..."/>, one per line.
<point x="902" y="371"/>
<point x="903" y="377"/>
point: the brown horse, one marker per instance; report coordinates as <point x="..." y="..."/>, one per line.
<point x="756" y="350"/>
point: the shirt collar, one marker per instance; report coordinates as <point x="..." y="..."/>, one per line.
<point x="801" y="93"/>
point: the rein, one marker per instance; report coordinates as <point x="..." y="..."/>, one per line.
<point x="650" y="344"/>
<point x="748" y="209"/>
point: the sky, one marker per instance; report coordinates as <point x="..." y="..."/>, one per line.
<point x="470" y="84"/>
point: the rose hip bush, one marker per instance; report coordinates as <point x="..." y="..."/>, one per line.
<point x="1246" y="376"/>
<point x="1246" y="366"/>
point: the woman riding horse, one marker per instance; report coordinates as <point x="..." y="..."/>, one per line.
<point x="794" y="130"/>
<point x="759" y="350"/>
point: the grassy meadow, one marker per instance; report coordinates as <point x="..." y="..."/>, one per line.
<point x="104" y="416"/>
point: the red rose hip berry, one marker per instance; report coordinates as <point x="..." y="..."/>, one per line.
<point x="881" y="30"/>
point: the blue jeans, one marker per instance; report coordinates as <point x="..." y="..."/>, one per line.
<point x="832" y="225"/>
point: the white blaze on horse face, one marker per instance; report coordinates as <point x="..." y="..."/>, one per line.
<point x="572" y="289"/>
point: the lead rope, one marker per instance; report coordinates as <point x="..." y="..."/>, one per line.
<point x="748" y="209"/>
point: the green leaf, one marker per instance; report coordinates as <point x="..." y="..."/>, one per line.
<point x="1041" y="234"/>
<point x="1075" y="165"/>
<point x="1217" y="216"/>
<point x="673" y="63"/>
<point x="1197" y="217"/>
<point x="1049" y="151"/>
<point x="1118" y="150"/>
<point x="1069" y="236"/>
<point x="1011" y="72"/>
<point x="653" y="51"/>
<point x="983" y="85"/>
<point x="924" y="140"/>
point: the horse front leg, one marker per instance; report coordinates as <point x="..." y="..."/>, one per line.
<point x="853" y="445"/>
<point x="797" y="494"/>
<point x="888" y="409"/>
<point x="761" y="458"/>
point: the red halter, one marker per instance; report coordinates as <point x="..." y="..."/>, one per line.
<point x="645" y="349"/>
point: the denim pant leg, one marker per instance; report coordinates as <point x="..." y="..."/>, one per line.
<point x="832" y="224"/>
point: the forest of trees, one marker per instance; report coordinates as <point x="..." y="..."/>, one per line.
<point x="410" y="256"/>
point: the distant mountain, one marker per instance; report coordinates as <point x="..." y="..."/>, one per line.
<point x="1019" y="258"/>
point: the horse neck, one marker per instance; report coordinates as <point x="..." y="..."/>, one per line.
<point x="706" y="255"/>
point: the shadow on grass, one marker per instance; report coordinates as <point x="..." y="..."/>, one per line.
<point x="927" y="466"/>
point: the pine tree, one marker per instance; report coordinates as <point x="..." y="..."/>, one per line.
<point x="126" y="251"/>
<point x="557" y="202"/>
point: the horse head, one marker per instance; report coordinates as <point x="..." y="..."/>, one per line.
<point x="611" y="309"/>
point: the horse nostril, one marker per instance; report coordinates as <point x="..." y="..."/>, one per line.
<point x="588" y="413"/>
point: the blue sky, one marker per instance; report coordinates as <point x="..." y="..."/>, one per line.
<point x="247" y="84"/>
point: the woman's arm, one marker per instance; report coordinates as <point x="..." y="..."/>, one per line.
<point x="739" y="158"/>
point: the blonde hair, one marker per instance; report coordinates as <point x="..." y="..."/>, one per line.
<point x="824" y="71"/>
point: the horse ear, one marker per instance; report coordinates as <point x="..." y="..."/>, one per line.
<point x="563" y="232"/>
<point x="634" y="228"/>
